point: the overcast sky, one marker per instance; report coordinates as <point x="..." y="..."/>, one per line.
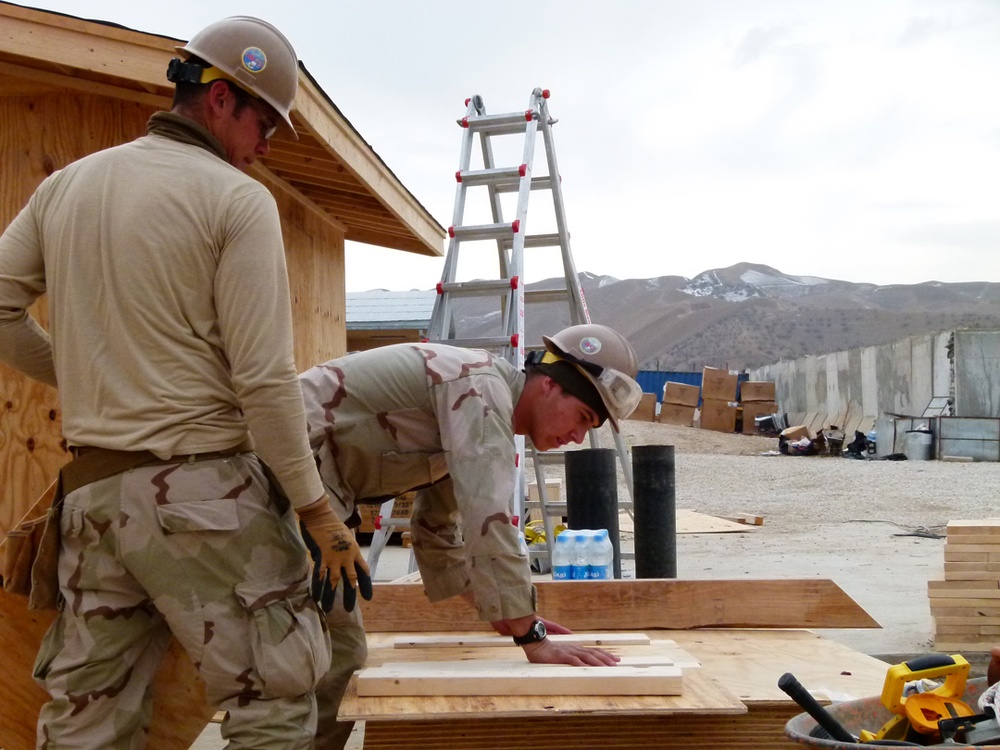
<point x="855" y="140"/>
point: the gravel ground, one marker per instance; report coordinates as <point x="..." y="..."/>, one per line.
<point x="875" y="527"/>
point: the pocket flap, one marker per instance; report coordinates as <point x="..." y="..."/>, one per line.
<point x="261" y="592"/>
<point x="199" y="515"/>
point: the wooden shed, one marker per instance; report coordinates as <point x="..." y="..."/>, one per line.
<point x="69" y="87"/>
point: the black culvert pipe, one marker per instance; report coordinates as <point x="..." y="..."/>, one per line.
<point x="654" y="511"/>
<point x="592" y="495"/>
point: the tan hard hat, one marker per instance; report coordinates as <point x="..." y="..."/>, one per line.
<point x="254" y="55"/>
<point x="606" y="359"/>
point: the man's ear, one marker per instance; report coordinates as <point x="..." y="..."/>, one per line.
<point x="550" y="386"/>
<point x="218" y="96"/>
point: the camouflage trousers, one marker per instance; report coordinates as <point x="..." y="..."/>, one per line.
<point x="350" y="649"/>
<point x="205" y="550"/>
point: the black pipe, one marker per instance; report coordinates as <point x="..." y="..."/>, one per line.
<point x="592" y="495"/>
<point x="654" y="511"/>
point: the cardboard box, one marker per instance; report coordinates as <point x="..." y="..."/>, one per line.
<point x="757" y="390"/>
<point x="753" y="409"/>
<point x="553" y="494"/>
<point x="646" y="410"/>
<point x="719" y="385"/>
<point x="677" y="414"/>
<point x="718" y="415"/>
<point x="402" y="508"/>
<point x="796" y="432"/>
<point x="681" y="394"/>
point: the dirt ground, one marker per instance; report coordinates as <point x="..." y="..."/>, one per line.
<point x="875" y="527"/>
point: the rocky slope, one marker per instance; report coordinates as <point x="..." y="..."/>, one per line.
<point x="749" y="315"/>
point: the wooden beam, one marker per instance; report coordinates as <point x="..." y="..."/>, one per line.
<point x="59" y="80"/>
<point x="497" y="641"/>
<point x="638" y="605"/>
<point x="79" y="46"/>
<point x="493" y="677"/>
<point x="332" y="129"/>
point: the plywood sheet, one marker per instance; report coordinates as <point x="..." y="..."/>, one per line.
<point x="690" y="522"/>
<point x="637" y="605"/>
<point x="744" y="663"/>
<point x="516" y="677"/>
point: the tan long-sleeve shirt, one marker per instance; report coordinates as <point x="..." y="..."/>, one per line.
<point x="170" y="318"/>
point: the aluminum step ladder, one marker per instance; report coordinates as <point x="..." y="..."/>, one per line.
<point x="507" y="233"/>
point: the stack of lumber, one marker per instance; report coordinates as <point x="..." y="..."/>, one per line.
<point x="966" y="604"/>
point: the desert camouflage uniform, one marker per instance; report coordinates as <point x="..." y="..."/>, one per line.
<point x="397" y="418"/>
<point x="170" y="314"/>
<point x="151" y="551"/>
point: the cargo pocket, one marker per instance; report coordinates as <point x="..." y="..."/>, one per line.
<point x="198" y="515"/>
<point x="289" y="639"/>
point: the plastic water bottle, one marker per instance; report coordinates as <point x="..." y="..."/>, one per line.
<point x="601" y="556"/>
<point x="581" y="561"/>
<point x="562" y="556"/>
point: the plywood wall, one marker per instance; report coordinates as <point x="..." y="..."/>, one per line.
<point x="315" y="256"/>
<point x="44" y="132"/>
<point x="40" y="134"/>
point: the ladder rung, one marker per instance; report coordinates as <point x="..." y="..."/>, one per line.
<point x="485" y="231"/>
<point x="555" y="509"/>
<point x="515" y="122"/>
<point x="549" y="457"/>
<point x="513" y="185"/>
<point x="492" y="176"/>
<point x="487" y="342"/>
<point x="477" y="288"/>
<point x="545" y="295"/>
<point x="536" y="240"/>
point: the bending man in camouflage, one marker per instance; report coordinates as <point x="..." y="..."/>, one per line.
<point x="443" y="419"/>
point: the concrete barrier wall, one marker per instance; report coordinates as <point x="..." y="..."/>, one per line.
<point x="896" y="378"/>
<point x="977" y="373"/>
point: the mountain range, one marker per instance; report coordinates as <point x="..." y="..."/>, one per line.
<point x="750" y="315"/>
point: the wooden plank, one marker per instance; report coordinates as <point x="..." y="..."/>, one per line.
<point x="702" y="696"/>
<point x="499" y="641"/>
<point x="491" y="677"/>
<point x="980" y="526"/>
<point x="637" y="605"/>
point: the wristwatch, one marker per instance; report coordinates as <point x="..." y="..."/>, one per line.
<point x="535" y="634"/>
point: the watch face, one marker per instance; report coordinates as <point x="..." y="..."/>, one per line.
<point x="536" y="632"/>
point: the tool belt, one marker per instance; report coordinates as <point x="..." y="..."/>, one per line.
<point x="30" y="563"/>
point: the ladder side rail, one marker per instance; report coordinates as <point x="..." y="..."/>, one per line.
<point x="543" y="503"/>
<point x="578" y="305"/>
<point x="380" y="537"/>
<point x="441" y="323"/>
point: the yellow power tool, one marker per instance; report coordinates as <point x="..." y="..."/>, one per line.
<point x="922" y="711"/>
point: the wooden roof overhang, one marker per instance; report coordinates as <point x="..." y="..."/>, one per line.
<point x="330" y="168"/>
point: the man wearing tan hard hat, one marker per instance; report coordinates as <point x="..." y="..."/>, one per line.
<point x="441" y="420"/>
<point x="171" y="346"/>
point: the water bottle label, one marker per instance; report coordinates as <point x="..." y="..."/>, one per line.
<point x="579" y="572"/>
<point x="562" y="573"/>
<point x="600" y="572"/>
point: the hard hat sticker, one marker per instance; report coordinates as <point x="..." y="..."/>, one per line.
<point x="590" y="345"/>
<point x="254" y="59"/>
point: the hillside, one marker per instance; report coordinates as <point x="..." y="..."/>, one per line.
<point x="749" y="315"/>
